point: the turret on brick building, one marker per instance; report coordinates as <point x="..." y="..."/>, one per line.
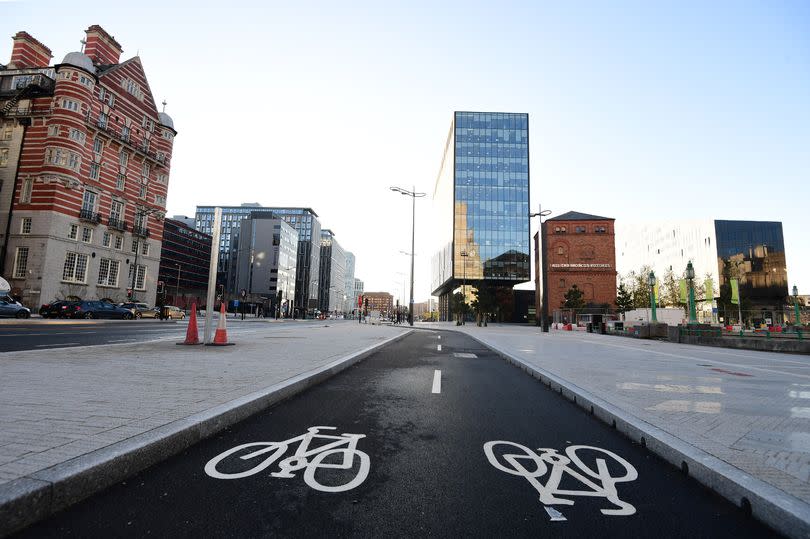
<point x="84" y="171"/>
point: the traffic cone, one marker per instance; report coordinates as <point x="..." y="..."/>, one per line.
<point x="192" y="336"/>
<point x="221" y="336"/>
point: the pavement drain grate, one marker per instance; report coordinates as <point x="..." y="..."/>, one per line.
<point x="464" y="355"/>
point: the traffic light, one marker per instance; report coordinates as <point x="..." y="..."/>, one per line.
<point x="359" y="301"/>
<point x="160" y="287"/>
<point x="129" y="293"/>
<point x="220" y="291"/>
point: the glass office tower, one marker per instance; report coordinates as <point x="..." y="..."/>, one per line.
<point x="481" y="205"/>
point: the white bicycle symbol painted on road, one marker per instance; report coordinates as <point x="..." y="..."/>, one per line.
<point x="344" y="445"/>
<point x="522" y="461"/>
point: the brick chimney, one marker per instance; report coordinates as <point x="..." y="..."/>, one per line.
<point x="101" y="47"/>
<point x="28" y="52"/>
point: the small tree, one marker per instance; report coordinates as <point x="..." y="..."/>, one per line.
<point x="485" y="303"/>
<point x="624" y="300"/>
<point x="573" y="298"/>
<point x="669" y="290"/>
<point x="458" y="306"/>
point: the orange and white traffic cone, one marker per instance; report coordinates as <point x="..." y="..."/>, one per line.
<point x="221" y="336"/>
<point x="192" y="335"/>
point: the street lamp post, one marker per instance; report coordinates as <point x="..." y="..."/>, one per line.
<point x="651" y="282"/>
<point x="543" y="270"/>
<point x="796" y="305"/>
<point x="465" y="254"/>
<point x="690" y="277"/>
<point x="138" y="229"/>
<point x="414" y="195"/>
<point x="177" y="287"/>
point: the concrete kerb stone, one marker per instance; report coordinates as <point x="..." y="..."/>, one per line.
<point x="781" y="511"/>
<point x="33" y="498"/>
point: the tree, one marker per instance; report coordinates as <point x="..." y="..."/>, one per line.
<point x="458" y="306"/>
<point x="624" y="299"/>
<point x="485" y="302"/>
<point x="573" y="298"/>
<point x="669" y="290"/>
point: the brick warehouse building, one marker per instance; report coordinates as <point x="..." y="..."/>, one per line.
<point x="84" y="171"/>
<point x="579" y="250"/>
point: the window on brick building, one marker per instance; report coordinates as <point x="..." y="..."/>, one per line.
<point x="579" y="230"/>
<point x="73" y="232"/>
<point x="98" y="145"/>
<point x="94" y="170"/>
<point x="25" y="193"/>
<point x="25" y="225"/>
<point x="75" y="268"/>
<point x="3" y="157"/>
<point x="21" y="262"/>
<point x="560" y="250"/>
<point x="600" y="230"/>
<point x="70" y="105"/>
<point x="562" y="283"/>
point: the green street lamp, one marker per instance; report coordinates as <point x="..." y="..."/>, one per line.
<point x="651" y="282"/>
<point x="690" y="276"/>
<point x="796" y="305"/>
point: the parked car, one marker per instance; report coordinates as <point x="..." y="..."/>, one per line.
<point x="174" y="313"/>
<point x="14" y="309"/>
<point x="57" y="309"/>
<point x="99" y="309"/>
<point x="141" y="310"/>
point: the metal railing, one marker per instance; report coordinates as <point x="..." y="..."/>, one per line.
<point x="117" y="224"/>
<point x="89" y="215"/>
<point x="127" y="139"/>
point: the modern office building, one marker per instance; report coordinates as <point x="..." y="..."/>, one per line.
<point x="265" y="262"/>
<point x="332" y="278"/>
<point x="84" y="170"/>
<point x="481" y="206"/>
<point x="303" y="220"/>
<point x="184" y="260"/>
<point x="751" y="251"/>
<point x="579" y="249"/>
<point x="348" y="288"/>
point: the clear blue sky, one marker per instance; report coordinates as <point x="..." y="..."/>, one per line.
<point x="638" y="110"/>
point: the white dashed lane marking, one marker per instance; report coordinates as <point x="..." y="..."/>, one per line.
<point x="437" y="381"/>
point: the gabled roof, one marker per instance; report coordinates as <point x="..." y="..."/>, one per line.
<point x="578" y="216"/>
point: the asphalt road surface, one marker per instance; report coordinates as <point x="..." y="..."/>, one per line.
<point x="448" y="454"/>
<point x="44" y="335"/>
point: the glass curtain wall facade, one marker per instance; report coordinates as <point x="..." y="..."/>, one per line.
<point x="481" y="204"/>
<point x="754" y="253"/>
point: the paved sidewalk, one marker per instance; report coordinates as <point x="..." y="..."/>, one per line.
<point x="749" y="409"/>
<point x="64" y="403"/>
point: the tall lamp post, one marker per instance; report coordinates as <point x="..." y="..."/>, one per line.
<point x="465" y="254"/>
<point x="139" y="229"/>
<point x="414" y="195"/>
<point x="543" y="270"/>
<point x="690" y="277"/>
<point x="177" y="287"/>
<point x="651" y="282"/>
<point x="796" y="305"/>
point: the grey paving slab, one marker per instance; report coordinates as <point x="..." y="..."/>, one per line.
<point x="746" y="409"/>
<point x="57" y="406"/>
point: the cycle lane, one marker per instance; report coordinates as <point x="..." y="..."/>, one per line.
<point x="428" y="471"/>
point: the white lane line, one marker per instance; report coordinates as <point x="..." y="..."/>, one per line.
<point x="439" y="347"/>
<point x="121" y="340"/>
<point x="437" y="381"/>
<point x="56" y="345"/>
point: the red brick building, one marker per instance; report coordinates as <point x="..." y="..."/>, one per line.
<point x="84" y="171"/>
<point x="579" y="250"/>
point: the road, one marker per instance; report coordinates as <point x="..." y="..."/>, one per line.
<point x="428" y="408"/>
<point x="48" y="334"/>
